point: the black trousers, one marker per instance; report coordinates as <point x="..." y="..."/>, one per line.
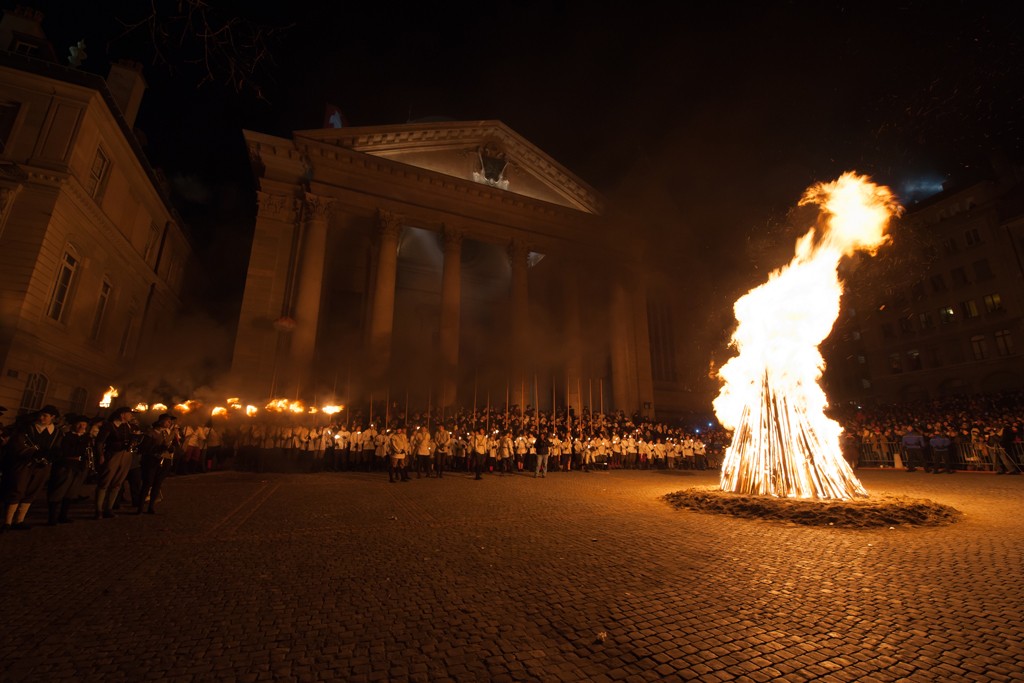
<point x="154" y="471"/>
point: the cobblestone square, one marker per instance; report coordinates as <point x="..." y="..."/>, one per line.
<point x="578" y="576"/>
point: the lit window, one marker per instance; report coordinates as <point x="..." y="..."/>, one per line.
<point x="947" y="315"/>
<point x="98" y="174"/>
<point x="993" y="303"/>
<point x="1004" y="342"/>
<point x="978" y="347"/>
<point x="101" y="309"/>
<point x="62" y="287"/>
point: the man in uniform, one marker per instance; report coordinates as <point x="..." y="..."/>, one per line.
<point x="398" y="449"/>
<point x="442" y="447"/>
<point x="69" y="469"/>
<point x="479" y="446"/>
<point x="157" y="450"/>
<point x="27" y="466"/>
<point x="117" y="440"/>
<point x="913" y="447"/>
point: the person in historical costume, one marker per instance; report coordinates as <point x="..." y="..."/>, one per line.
<point x="397" y="446"/>
<point x="158" y="449"/>
<point x="442" y="449"/>
<point x="27" y="465"/>
<point x="117" y="441"/>
<point x="69" y="469"/>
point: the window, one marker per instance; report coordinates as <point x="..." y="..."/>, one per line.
<point x="151" y="240"/>
<point x="938" y="283"/>
<point x="959" y="276"/>
<point x="62" y="287"/>
<point x="861" y="359"/>
<point x="126" y="337"/>
<point x="949" y="245"/>
<point x="993" y="303"/>
<point x="79" y="396"/>
<point x="926" y="321"/>
<point x="101" y="309"/>
<point x="969" y="309"/>
<point x="8" y="115"/>
<point x="972" y="237"/>
<point x="947" y="315"/>
<point x="895" y="363"/>
<point x="913" y="360"/>
<point x="907" y="324"/>
<point x="1004" y="342"/>
<point x="98" y="174"/>
<point x="982" y="270"/>
<point x="978" y="347"/>
<point x="33" y="394"/>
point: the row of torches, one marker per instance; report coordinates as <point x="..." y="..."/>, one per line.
<point x="232" y="405"/>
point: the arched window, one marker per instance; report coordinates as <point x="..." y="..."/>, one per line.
<point x="34" y="393"/>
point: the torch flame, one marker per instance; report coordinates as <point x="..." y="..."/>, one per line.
<point x="141" y="407"/>
<point x="281" y="405"/>
<point x="160" y="406"/>
<point x="251" y="410"/>
<point x="109" y="395"/>
<point x="331" y="410"/>
<point x="219" y="411"/>
<point x="783" y="444"/>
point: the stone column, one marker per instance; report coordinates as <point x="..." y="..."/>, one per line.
<point x="382" y="314"/>
<point x="624" y="393"/>
<point x="257" y="361"/>
<point x="519" y="300"/>
<point x="573" y="340"/>
<point x="451" y="304"/>
<point x="309" y="287"/>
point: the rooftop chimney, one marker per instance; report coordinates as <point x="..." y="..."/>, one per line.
<point x="126" y="84"/>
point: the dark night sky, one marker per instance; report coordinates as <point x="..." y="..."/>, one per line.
<point x="708" y="121"/>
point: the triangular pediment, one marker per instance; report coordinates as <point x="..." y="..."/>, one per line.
<point x="487" y="152"/>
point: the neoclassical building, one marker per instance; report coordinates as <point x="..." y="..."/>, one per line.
<point x="453" y="262"/>
<point x="92" y="254"/>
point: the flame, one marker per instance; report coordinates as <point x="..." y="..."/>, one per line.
<point x="159" y="406"/>
<point x="109" y="395"/>
<point x="141" y="407"/>
<point x="251" y="410"/>
<point x="312" y="410"/>
<point x="232" y="402"/>
<point x="188" y="406"/>
<point x="219" y="411"/>
<point x="331" y="410"/>
<point x="281" y="405"/>
<point x="783" y="444"/>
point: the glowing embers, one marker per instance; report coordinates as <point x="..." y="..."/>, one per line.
<point x="783" y="444"/>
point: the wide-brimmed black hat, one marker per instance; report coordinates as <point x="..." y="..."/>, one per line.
<point x="166" y="416"/>
<point x="120" y="411"/>
<point x="50" y="410"/>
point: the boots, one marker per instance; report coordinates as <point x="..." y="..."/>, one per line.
<point x="65" y="506"/>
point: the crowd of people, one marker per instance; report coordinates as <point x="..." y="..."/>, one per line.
<point x="983" y="432"/>
<point x="121" y="460"/>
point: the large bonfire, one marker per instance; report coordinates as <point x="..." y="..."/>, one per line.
<point x="783" y="443"/>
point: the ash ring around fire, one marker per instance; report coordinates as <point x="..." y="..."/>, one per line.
<point x="861" y="513"/>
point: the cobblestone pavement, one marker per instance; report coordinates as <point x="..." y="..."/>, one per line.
<point x="342" y="576"/>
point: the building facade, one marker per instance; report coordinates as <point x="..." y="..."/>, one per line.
<point x="955" y="327"/>
<point x="451" y="261"/>
<point x="92" y="255"/>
